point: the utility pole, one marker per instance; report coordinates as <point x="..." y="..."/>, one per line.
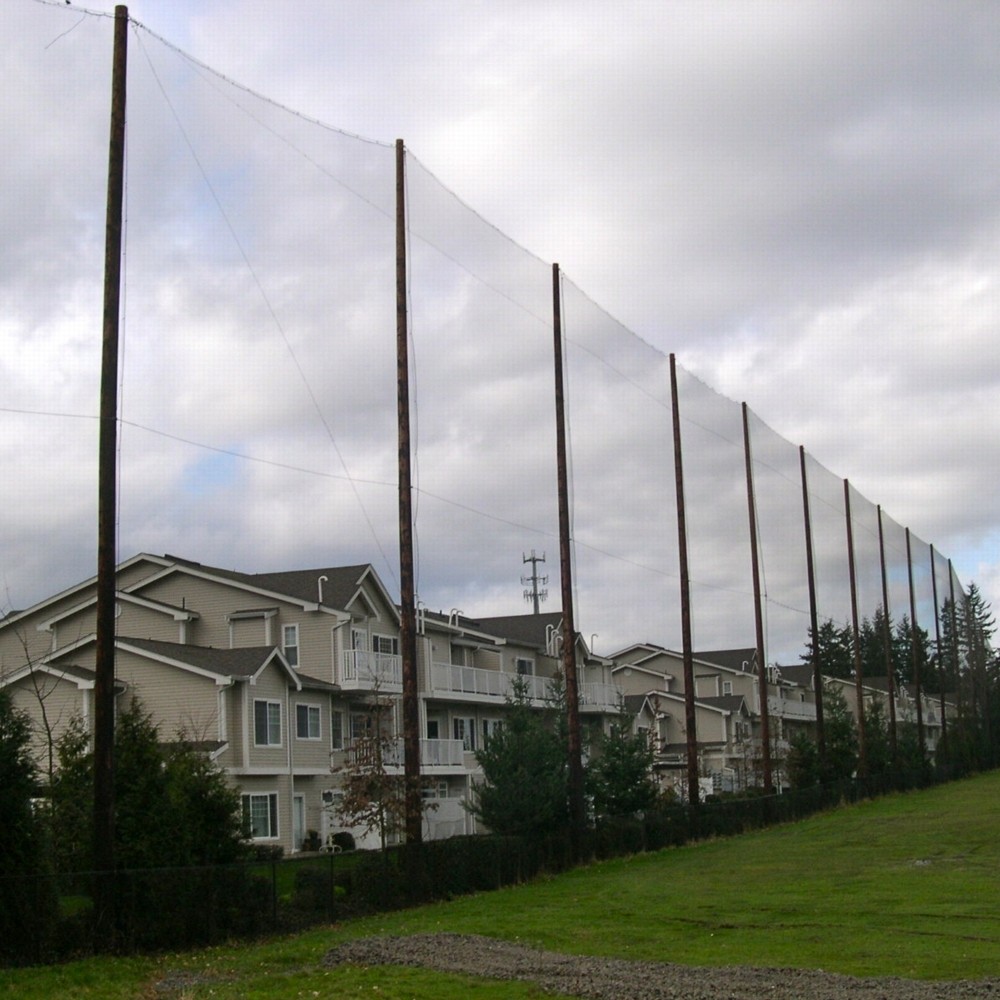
<point x="407" y="594"/>
<point x="577" y="806"/>
<point x="533" y="580"/>
<point x="107" y="476"/>
<point x="682" y="552"/>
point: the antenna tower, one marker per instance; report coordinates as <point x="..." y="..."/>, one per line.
<point x="533" y="581"/>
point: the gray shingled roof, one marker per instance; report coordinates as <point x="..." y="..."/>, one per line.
<point x="242" y="662"/>
<point x="302" y="584"/>
<point x="529" y="630"/>
<point x="731" y="658"/>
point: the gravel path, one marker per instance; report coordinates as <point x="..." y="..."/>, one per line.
<point x="618" y="979"/>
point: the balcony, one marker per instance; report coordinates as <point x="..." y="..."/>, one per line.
<point x="362" y="670"/>
<point x="604" y="697"/>
<point x="433" y="753"/>
<point x="479" y="684"/>
<point x="803" y="711"/>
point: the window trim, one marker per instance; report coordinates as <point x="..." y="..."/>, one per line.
<point x="337" y="730"/>
<point x="273" y="814"/>
<point x="286" y="646"/>
<point x="268" y="723"/>
<point x="310" y="707"/>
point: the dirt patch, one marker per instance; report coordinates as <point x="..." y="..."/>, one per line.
<point x="620" y="979"/>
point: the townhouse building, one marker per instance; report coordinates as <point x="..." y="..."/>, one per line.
<point x="281" y="677"/>
<point x="728" y="713"/>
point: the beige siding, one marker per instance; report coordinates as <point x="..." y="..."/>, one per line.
<point x="213" y="601"/>
<point x="315" y="639"/>
<point x="177" y="699"/>
<point x="311" y="754"/>
<point x="272" y="686"/>
<point x="50" y="703"/>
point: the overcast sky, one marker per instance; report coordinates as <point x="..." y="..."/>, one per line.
<point x="800" y="200"/>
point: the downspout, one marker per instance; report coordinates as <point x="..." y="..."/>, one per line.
<point x="291" y="774"/>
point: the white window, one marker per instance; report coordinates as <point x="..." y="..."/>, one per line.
<point x="727" y="687"/>
<point x="524" y="666"/>
<point x="361" y="725"/>
<point x="260" y="815"/>
<point x="336" y="730"/>
<point x="267" y="723"/>
<point x="290" y="644"/>
<point x="490" y="728"/>
<point x="432" y="729"/>
<point x="388" y="644"/>
<point x="307" y="722"/>
<point x="465" y="730"/>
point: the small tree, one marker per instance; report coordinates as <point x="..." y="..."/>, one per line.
<point x="619" y="779"/>
<point x="374" y="798"/>
<point x="524" y="791"/>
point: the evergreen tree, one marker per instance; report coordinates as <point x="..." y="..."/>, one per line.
<point x="841" y="736"/>
<point x="833" y="647"/>
<point x="619" y="779"/>
<point x="878" y="746"/>
<point x="173" y="807"/>
<point x="525" y="790"/>
<point x="28" y="910"/>
<point x="802" y="762"/>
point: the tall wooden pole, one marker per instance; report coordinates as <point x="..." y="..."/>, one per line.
<point x="107" y="459"/>
<point x="856" y="636"/>
<point x="758" y="615"/>
<point x="915" y="650"/>
<point x="937" y="644"/>
<point x="574" y="751"/>
<point x="887" y="640"/>
<point x="953" y="616"/>
<point x="686" y="645"/>
<point x="407" y="592"/>
<point x="817" y="664"/>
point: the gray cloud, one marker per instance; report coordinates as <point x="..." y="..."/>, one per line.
<point x="800" y="200"/>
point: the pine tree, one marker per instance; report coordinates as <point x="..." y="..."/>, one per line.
<point x="619" y="779"/>
<point x="27" y="913"/>
<point x="525" y="789"/>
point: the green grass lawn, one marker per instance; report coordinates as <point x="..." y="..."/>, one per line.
<point x="906" y="886"/>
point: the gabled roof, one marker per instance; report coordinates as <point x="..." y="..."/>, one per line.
<point x="528" y="630"/>
<point x="178" y="614"/>
<point x="14" y="616"/>
<point x="341" y="585"/>
<point x="734" y="703"/>
<point x="741" y="660"/>
<point x="243" y="663"/>
<point x="82" y="677"/>
<point x="797" y="673"/>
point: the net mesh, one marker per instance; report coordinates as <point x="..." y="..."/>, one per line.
<point x="258" y="379"/>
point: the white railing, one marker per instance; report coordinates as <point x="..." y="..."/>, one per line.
<point x="442" y="753"/>
<point x="606" y="696"/>
<point x="781" y="707"/>
<point x="433" y="753"/>
<point x="452" y="678"/>
<point x="362" y="668"/>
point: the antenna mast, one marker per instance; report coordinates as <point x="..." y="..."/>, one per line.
<point x="533" y="580"/>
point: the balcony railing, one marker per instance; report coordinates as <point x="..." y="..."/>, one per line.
<point x="604" y="696"/>
<point x="782" y="707"/>
<point x="452" y="678"/>
<point x="362" y="669"/>
<point x="433" y="753"/>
